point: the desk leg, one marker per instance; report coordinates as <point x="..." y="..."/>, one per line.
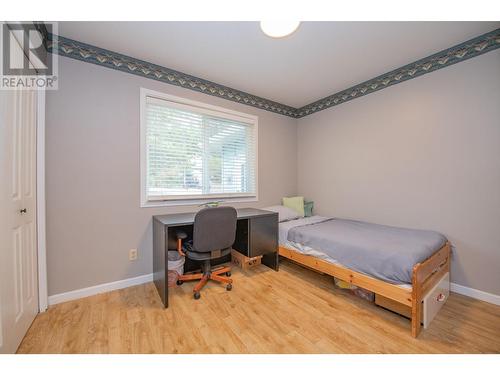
<point x="263" y="238"/>
<point x="271" y="260"/>
<point x="160" y="260"/>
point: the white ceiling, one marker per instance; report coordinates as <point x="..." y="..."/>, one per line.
<point x="319" y="59"/>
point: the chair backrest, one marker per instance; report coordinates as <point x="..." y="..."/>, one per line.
<point x="214" y="229"/>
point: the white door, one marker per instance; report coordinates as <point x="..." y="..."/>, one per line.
<point x="18" y="251"/>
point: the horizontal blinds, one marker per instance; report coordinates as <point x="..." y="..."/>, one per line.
<point x="195" y="154"/>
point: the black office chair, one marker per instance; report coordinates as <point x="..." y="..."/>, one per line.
<point x="214" y="233"/>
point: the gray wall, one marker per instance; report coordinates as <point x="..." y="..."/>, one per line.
<point x="423" y="154"/>
<point x="93" y="176"/>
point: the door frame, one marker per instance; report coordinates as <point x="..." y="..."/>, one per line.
<point x="40" y="204"/>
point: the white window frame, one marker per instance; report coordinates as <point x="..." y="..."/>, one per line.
<point x="201" y="108"/>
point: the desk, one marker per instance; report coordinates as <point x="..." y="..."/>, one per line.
<point x="256" y="234"/>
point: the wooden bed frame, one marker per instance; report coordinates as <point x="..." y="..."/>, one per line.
<point x="425" y="276"/>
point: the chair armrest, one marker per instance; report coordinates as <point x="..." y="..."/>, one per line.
<point x="181" y="235"/>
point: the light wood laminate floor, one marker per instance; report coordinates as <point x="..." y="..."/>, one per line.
<point x="292" y="311"/>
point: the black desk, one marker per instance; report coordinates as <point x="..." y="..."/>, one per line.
<point x="256" y="234"/>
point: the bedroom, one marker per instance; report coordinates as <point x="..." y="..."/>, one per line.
<point x="195" y="199"/>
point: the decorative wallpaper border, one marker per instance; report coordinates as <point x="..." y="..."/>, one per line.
<point x="95" y="55"/>
<point x="461" y="52"/>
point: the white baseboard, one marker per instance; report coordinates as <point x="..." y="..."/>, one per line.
<point x="97" y="289"/>
<point x="475" y="293"/>
<point x="120" y="284"/>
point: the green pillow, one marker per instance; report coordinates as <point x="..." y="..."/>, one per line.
<point x="308" y="208"/>
<point x="295" y="203"/>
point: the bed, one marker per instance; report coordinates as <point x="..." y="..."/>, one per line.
<point x="400" y="265"/>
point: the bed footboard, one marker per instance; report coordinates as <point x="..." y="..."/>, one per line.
<point x="425" y="276"/>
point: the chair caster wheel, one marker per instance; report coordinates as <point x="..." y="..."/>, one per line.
<point x="228" y="273"/>
<point x="179" y="282"/>
<point x="229" y="287"/>
<point x="197" y="295"/>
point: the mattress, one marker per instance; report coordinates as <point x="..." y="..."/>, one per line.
<point x="386" y="253"/>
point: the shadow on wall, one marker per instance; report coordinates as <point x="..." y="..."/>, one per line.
<point x="145" y="247"/>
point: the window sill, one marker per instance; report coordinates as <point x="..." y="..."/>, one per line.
<point x="196" y="202"/>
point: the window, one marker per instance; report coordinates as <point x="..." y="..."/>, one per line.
<point x="193" y="152"/>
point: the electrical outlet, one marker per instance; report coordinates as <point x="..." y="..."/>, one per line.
<point x="132" y="254"/>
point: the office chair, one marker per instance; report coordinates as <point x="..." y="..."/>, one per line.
<point x="214" y="232"/>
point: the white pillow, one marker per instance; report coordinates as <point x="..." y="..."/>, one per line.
<point x="284" y="213"/>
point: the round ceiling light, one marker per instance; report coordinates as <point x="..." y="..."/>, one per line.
<point x="279" y="28"/>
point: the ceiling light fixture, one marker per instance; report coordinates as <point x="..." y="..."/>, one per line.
<point x="279" y="28"/>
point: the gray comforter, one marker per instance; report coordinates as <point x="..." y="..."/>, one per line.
<point x="387" y="253"/>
